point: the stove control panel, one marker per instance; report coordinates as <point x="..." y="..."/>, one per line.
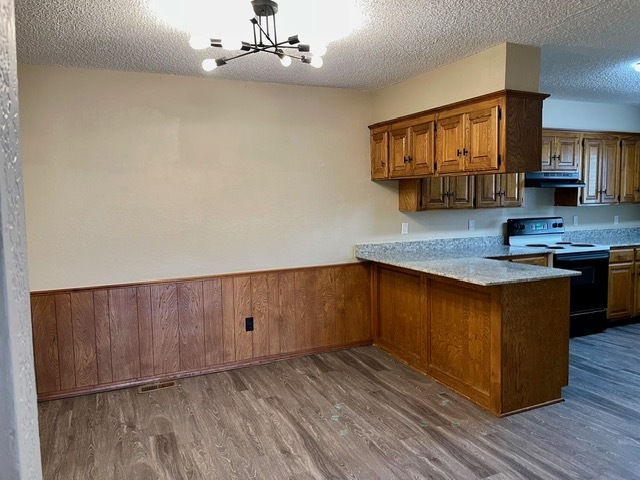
<point x="534" y="226"/>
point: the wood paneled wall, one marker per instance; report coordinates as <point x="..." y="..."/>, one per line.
<point x="97" y="339"/>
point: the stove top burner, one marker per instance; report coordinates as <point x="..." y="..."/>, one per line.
<point x="547" y="233"/>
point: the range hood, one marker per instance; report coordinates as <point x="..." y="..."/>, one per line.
<point x="553" y="180"/>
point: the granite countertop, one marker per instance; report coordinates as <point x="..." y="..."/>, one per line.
<point x="614" y="237"/>
<point x="469" y="260"/>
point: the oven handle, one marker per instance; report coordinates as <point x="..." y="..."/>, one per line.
<point x="579" y="257"/>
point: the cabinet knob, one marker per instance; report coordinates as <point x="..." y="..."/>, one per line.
<point x="383" y="164"/>
<point x="465" y="151"/>
<point x="459" y="152"/>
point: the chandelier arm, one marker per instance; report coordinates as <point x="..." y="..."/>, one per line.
<point x="266" y="34"/>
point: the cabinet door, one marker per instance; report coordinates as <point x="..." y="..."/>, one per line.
<point x="461" y="192"/>
<point x="481" y="132"/>
<point x="591" y="161"/>
<point x="548" y="155"/>
<point x="379" y="153"/>
<point x="398" y="153"/>
<point x="487" y="191"/>
<point x="620" y="290"/>
<point x="422" y="146"/>
<point x="449" y="147"/>
<point x="435" y="193"/>
<point x="609" y="171"/>
<point x="511" y="189"/>
<point x="630" y="171"/>
<point x="567" y="152"/>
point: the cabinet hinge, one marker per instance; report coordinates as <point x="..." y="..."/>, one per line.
<point x="499" y="160"/>
<point x="435" y="127"/>
<point x="499" y="113"/>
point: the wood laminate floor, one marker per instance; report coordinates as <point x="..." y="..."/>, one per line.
<point x="352" y="414"/>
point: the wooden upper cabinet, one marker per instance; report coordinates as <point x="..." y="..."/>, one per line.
<point x="379" y="145"/>
<point x="411" y="148"/>
<point x="630" y="170"/>
<point x="468" y="141"/>
<point x="480" y="151"/>
<point x="496" y="133"/>
<point x="449" y="144"/>
<point x="502" y="190"/>
<point x="600" y="170"/>
<point x="422" y="147"/>
<point x="561" y="151"/>
<point x="436" y="193"/>
<point x="398" y="152"/>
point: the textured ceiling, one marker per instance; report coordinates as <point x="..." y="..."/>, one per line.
<point x="588" y="46"/>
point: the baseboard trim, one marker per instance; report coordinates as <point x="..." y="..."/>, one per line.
<point x="76" y="392"/>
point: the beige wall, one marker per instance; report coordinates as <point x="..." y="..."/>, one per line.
<point x="506" y="65"/>
<point x="133" y="177"/>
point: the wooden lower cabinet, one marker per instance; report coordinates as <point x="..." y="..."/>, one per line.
<point x="98" y="339"/>
<point x="498" y="346"/>
<point x="622" y="284"/>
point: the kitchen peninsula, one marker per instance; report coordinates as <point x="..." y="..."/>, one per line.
<point x="477" y="324"/>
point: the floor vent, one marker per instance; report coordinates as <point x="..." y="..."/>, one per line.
<point x="156" y="386"/>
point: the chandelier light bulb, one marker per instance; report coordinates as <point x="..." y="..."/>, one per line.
<point x="199" y="42"/>
<point x="316" y="62"/>
<point x="209" y="65"/>
<point x="285" y="60"/>
<point x="636" y="67"/>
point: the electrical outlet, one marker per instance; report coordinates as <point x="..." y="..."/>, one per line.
<point x="575" y="219"/>
<point x="472" y="224"/>
<point x="405" y="228"/>
<point x="248" y="324"/>
<point x="616" y="220"/>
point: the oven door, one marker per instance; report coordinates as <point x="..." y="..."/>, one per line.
<point x="589" y="290"/>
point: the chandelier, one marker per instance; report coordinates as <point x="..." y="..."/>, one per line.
<point x="265" y="39"/>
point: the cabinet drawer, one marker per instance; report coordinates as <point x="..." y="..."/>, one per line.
<point x="621" y="255"/>
<point x="540" y="260"/>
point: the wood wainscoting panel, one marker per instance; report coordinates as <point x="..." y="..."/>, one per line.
<point x="65" y="341"/>
<point x="241" y="311"/>
<point x="145" y="331"/>
<point x="461" y="350"/>
<point x="282" y="313"/>
<point x="260" y="311"/>
<point x="353" y="297"/>
<point x="228" y="320"/>
<point x="125" y="345"/>
<point x="45" y="343"/>
<point x="97" y="339"/>
<point x="166" y="344"/>
<point x="103" y="335"/>
<point x="84" y="338"/>
<point x="191" y="321"/>
<point x="213" y="334"/>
